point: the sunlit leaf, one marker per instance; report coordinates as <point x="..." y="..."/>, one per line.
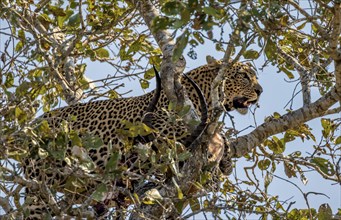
<point x="251" y="54"/>
<point x="324" y="212"/>
<point x="325" y="166"/>
<point x="151" y="196"/>
<point x="19" y="46"/>
<point x="149" y="74"/>
<point x="102" y="53"/>
<point x="264" y="164"/>
<point x="144" y="84"/>
<point x="287" y="72"/>
<point x="338" y="140"/>
<point x="42" y="153"/>
<point x="198" y="36"/>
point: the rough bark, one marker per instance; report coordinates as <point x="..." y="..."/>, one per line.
<point x="246" y="143"/>
<point x="170" y="78"/>
<point x="170" y="70"/>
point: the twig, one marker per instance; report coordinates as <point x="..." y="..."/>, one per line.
<point x="304" y="75"/>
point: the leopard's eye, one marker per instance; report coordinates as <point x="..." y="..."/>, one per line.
<point x="246" y="79"/>
<point x="245" y="75"/>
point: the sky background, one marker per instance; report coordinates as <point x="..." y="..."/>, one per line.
<point x="277" y="93"/>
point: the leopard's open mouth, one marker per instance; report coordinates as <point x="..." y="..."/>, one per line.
<point x="241" y="104"/>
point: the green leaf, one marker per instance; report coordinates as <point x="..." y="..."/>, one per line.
<point x="211" y="11"/>
<point x="300" y="27"/>
<point x="324" y="212"/>
<point x="180" y="205"/>
<point x="251" y="54"/>
<point x="284" y="20"/>
<point x="171" y="106"/>
<point x="102" y="53"/>
<point x="287" y="72"/>
<point x="264" y="164"/>
<point x="198" y="36"/>
<point x="184" y="110"/>
<point x="74" y="20"/>
<point x="326" y="124"/>
<point x="9" y="80"/>
<point x="91" y="142"/>
<point x="76" y="140"/>
<point x="20" y="115"/>
<point x="149" y="74"/>
<point x="276" y="145"/>
<point x="62" y="19"/>
<point x="56" y="11"/>
<point x="194" y="204"/>
<point x="21" y="35"/>
<point x="181" y="43"/>
<point x="112" y="164"/>
<point x="338" y="140"/>
<point x="100" y="192"/>
<point x="184" y="156"/>
<point x="19" y="46"/>
<point x="270" y="50"/>
<point x="144" y="84"/>
<point x="180" y="194"/>
<point x="161" y="23"/>
<point x="173" y="7"/>
<point x="113" y="94"/>
<point x="324" y="165"/>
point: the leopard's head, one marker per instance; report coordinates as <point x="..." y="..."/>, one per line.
<point x="241" y="88"/>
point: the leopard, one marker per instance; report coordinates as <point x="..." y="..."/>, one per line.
<point x="110" y="121"/>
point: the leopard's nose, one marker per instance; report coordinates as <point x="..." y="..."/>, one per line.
<point x="258" y="89"/>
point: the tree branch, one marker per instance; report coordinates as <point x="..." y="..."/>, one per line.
<point x="304" y="75"/>
<point x="246" y="143"/>
<point x="334" y="47"/>
<point x="170" y="71"/>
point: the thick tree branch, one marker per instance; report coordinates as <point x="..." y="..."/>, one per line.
<point x="336" y="32"/>
<point x="246" y="143"/>
<point x="170" y="71"/>
<point x="334" y="47"/>
<point x="5" y="205"/>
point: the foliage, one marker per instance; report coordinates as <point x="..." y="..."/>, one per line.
<point x="45" y="48"/>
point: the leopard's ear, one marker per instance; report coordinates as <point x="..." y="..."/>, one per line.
<point x="212" y="61"/>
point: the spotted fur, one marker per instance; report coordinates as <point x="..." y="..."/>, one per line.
<point x="108" y="119"/>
